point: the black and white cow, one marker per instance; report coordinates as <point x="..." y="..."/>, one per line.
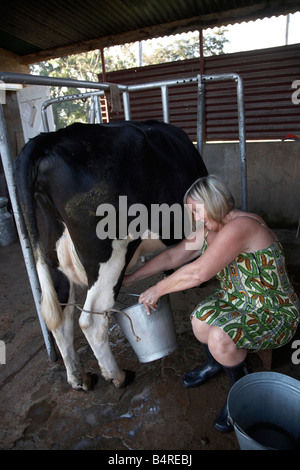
<point x="62" y="178"/>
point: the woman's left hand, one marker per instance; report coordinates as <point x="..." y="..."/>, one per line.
<point x="150" y="298"/>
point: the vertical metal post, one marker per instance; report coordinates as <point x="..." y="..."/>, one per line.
<point x="23" y="236"/>
<point x="165" y="103"/>
<point x="126" y="104"/>
<point x="242" y="141"/>
<point x="241" y="127"/>
<point x="98" y="109"/>
<point x="45" y="120"/>
<point x="200" y="114"/>
<point x="92" y="114"/>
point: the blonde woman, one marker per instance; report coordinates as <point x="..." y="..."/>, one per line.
<point x="254" y="308"/>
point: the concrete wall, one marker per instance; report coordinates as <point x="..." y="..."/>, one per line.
<point x="273" y="176"/>
<point x="11" y="63"/>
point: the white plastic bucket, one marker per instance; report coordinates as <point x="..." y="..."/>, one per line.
<point x="264" y="408"/>
<point x="156" y="332"/>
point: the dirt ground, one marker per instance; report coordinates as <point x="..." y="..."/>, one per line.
<point x="39" y="410"/>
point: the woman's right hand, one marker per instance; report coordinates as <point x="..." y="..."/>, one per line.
<point x="127" y="280"/>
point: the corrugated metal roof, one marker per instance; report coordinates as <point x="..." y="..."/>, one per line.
<point x="38" y="30"/>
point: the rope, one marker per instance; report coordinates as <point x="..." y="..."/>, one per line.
<point x="110" y="310"/>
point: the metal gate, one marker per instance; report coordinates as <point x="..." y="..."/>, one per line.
<point x="7" y="160"/>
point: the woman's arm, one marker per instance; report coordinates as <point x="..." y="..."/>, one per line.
<point x="185" y="277"/>
<point x="226" y="245"/>
<point x="168" y="259"/>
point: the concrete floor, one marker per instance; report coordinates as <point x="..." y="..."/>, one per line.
<point x="39" y="410"/>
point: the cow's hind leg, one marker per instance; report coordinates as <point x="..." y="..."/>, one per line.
<point x="97" y="335"/>
<point x="64" y="337"/>
<point x="95" y="328"/>
<point x="100" y="297"/>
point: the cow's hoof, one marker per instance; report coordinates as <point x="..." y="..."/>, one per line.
<point x="129" y="377"/>
<point x="89" y="383"/>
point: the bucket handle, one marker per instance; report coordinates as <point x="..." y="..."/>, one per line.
<point x="137" y="295"/>
<point x="234" y="424"/>
<point x="115" y="310"/>
<point x="129" y="293"/>
<point x="110" y="310"/>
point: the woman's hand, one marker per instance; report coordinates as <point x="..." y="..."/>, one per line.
<point x="150" y="298"/>
<point x="127" y="280"/>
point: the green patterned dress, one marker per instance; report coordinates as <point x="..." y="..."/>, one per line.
<point x="256" y="304"/>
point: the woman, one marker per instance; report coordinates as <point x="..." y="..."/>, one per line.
<point x="255" y="307"/>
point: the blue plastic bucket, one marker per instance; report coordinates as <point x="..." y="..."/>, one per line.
<point x="264" y="408"/>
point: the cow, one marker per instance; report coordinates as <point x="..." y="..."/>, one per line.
<point x="62" y="177"/>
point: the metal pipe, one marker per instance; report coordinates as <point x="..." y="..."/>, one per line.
<point x="98" y="109"/>
<point x="152" y="85"/>
<point x="45" y="121"/>
<point x="242" y="142"/>
<point x="22" y="232"/>
<point x="126" y="104"/>
<point x="200" y="115"/>
<point x="241" y="125"/>
<point x="58" y="99"/>
<point x="92" y="114"/>
<point x="165" y="103"/>
<point x="27" y="79"/>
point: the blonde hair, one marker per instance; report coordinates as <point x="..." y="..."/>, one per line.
<point x="214" y="194"/>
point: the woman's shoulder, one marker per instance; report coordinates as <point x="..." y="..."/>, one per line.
<point x="247" y="217"/>
<point x="253" y="228"/>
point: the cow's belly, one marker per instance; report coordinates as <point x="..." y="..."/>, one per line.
<point x="148" y="246"/>
<point x="69" y="262"/>
<point x="71" y="266"/>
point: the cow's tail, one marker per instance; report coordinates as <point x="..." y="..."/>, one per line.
<point x="50" y="307"/>
<point x="26" y="169"/>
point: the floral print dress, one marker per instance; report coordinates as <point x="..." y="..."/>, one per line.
<point x="256" y="304"/>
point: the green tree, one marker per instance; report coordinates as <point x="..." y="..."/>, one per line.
<point x="79" y="66"/>
<point x="185" y="46"/>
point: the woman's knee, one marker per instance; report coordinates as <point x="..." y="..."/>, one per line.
<point x="201" y="330"/>
<point x="219" y="340"/>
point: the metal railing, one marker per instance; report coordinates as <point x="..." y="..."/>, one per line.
<point x="7" y="160"/>
<point x="164" y="85"/>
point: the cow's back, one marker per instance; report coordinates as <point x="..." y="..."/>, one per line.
<point x="73" y="171"/>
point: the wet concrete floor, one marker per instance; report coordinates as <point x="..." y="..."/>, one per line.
<point x="40" y="411"/>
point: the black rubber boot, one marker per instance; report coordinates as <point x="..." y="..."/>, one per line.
<point x="201" y="374"/>
<point x="235" y="373"/>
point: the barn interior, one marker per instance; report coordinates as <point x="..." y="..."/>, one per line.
<point x="39" y="410"/>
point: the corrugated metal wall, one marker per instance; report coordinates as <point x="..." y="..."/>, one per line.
<point x="267" y="76"/>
